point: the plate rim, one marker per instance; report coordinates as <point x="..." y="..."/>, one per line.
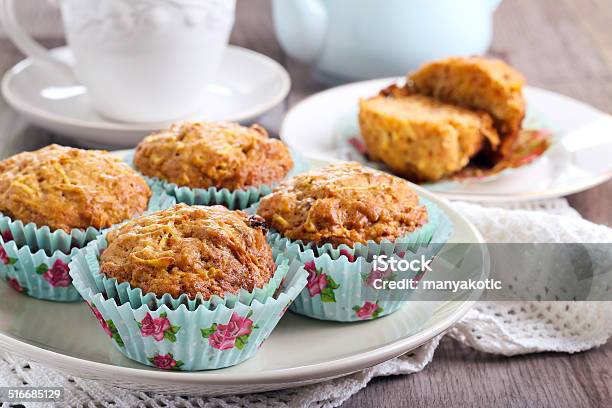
<point x="475" y="197"/>
<point x="321" y="371"/>
<point x="40" y="115"/>
<point x="278" y="378"/>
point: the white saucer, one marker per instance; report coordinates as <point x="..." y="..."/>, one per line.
<point x="248" y="85"/>
<point x="300" y="350"/>
<point x="578" y="159"/>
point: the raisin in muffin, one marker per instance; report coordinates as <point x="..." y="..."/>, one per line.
<point x="65" y="188"/>
<point x="190" y="250"/>
<point x="213" y="154"/>
<point x="420" y="138"/>
<point x="344" y="203"/>
<point x="479" y="83"/>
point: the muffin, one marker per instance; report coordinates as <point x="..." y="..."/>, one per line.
<point x="343" y="203"/>
<point x="190" y="250"/>
<point x="66" y="188"/>
<point x="478" y="83"/>
<point x="187" y="288"/>
<point x="336" y="221"/>
<point x="420" y="138"/>
<point x="53" y="202"/>
<point x="213" y="154"/>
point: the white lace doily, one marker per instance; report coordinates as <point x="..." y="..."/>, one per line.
<point x="507" y="328"/>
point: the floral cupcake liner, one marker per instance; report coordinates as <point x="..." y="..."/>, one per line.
<point x="34" y="261"/>
<point x="37" y="274"/>
<point x="232" y="199"/>
<point x="187" y="337"/>
<point x="36" y="237"/>
<point x="345" y="290"/>
<point x="340" y="279"/>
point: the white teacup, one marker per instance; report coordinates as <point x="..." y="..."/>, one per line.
<point x="140" y="60"/>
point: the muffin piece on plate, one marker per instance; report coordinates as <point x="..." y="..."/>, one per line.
<point x="65" y="188"/>
<point x="420" y="138"/>
<point x="214" y="154"/>
<point x="343" y="203"/>
<point x="479" y="83"/>
<point x="190" y="250"/>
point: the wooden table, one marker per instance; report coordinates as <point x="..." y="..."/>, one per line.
<point x="561" y="45"/>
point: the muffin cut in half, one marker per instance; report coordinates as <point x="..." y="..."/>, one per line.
<point x="190" y="250"/>
<point x="421" y="138"/>
<point x="214" y="154"/>
<point x="480" y="83"/>
<point x="65" y="188"/>
<point x="344" y="203"/>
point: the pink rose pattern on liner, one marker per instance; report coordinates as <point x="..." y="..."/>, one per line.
<point x="382" y="274"/>
<point x="7" y="235"/>
<point x="348" y="254"/>
<point x="159" y="328"/>
<point x="6" y="260"/>
<point x="57" y="275"/>
<point x="165" y="362"/>
<point x="369" y="310"/>
<point x="16" y="286"/>
<point x="108" y="326"/>
<point x="233" y="334"/>
<point x="320" y="283"/>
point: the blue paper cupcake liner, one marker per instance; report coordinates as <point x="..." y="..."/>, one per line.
<point x="338" y="282"/>
<point x="124" y="293"/>
<point x="189" y="336"/>
<point x="34" y="261"/>
<point x="232" y="199"/>
<point x="38" y="274"/>
<point x="344" y="291"/>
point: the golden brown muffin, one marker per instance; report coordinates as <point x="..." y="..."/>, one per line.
<point x="190" y="250"/>
<point x="479" y="83"/>
<point x="420" y="138"/>
<point x="66" y="188"/>
<point x="214" y="154"/>
<point x="343" y="203"/>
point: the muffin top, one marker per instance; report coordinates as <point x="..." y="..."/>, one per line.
<point x="486" y="84"/>
<point x="65" y="188"/>
<point x="190" y="250"/>
<point x="214" y="154"/>
<point x="343" y="203"/>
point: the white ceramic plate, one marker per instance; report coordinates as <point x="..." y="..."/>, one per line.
<point x="578" y="159"/>
<point x="300" y="351"/>
<point x="248" y="85"/>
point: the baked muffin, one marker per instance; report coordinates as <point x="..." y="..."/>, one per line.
<point x="65" y="188"/>
<point x="420" y="138"/>
<point x="213" y="154"/>
<point x="344" y="203"/>
<point x="479" y="83"/>
<point x="190" y="250"/>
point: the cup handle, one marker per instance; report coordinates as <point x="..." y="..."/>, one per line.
<point x="24" y="42"/>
